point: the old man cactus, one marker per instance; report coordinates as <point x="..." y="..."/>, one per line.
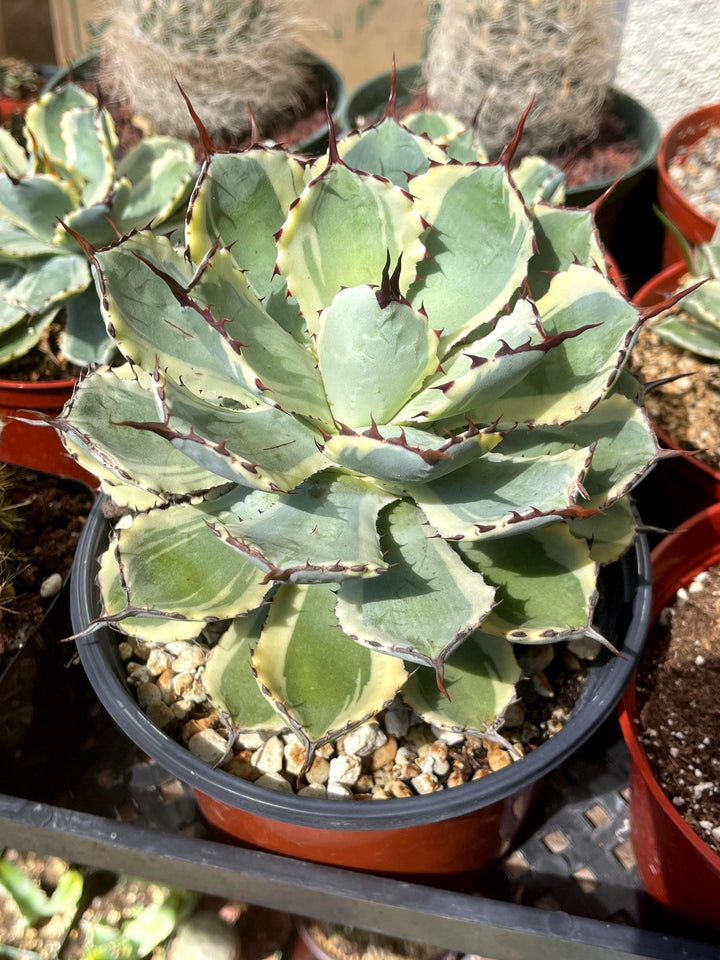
<point x="70" y="176"/>
<point x="377" y="428"/>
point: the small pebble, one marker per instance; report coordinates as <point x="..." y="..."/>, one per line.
<point x="148" y="693"/>
<point x="50" y="586"/>
<point x="269" y="757"/>
<point x="274" y="781"/>
<point x="160" y="714"/>
<point x="313" y="790"/>
<point x="365" y="739"/>
<point x="345" y="770"/>
<point x="338" y="791"/>
<point x="208" y="745"/>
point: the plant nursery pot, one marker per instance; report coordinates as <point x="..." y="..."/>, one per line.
<point x="678" y="868"/>
<point x="449" y="832"/>
<point x="10" y="107"/>
<point x="692" y="223"/>
<point x="36" y="447"/>
<point x="702" y="476"/>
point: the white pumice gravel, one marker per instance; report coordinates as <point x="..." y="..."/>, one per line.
<point x="393" y="755"/>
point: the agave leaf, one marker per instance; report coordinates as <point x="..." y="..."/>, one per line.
<point x="704" y="302"/>
<point x="538" y="180"/>
<point x="609" y="534"/>
<point x="32" y="901"/>
<point x="259" y="447"/>
<point x="229" y="677"/>
<point x="155" y="922"/>
<point x="387" y="149"/>
<point x="35" y="203"/>
<point x="88" y="152"/>
<point x="401" y="456"/>
<point x="274" y="366"/>
<point x="699" y="336"/>
<point x="571" y="378"/>
<point x="84" y="340"/>
<point x="162" y="171"/>
<point x="480" y="677"/>
<point x="563" y="236"/>
<point x="425" y="604"/>
<point x="15" y="243"/>
<point x="545" y="582"/>
<point x="325" y="531"/>
<point x="478" y="247"/>
<point x="319" y="679"/>
<point x="361" y="335"/>
<point x="43" y="119"/>
<point x="13" y="159"/>
<point x="92" y="223"/>
<point x="483" y="369"/>
<point x="172" y="563"/>
<point x="18" y="339"/>
<point x="340" y="233"/>
<point x="91" y="425"/>
<point x="30" y="287"/>
<point x="625" y="446"/>
<point x="497" y="496"/>
<point x="147" y="322"/>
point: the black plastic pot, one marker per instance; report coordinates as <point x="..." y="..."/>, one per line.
<point x="286" y="823"/>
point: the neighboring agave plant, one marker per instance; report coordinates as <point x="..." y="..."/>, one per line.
<point x="694" y="324"/>
<point x="70" y="176"/>
<point x="376" y="427"/>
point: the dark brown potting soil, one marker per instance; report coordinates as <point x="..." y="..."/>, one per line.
<point x="685" y="409"/>
<point x="51" y="515"/>
<point x="43" y="363"/>
<point x="678" y="703"/>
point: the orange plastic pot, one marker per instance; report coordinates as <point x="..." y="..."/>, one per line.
<point x="692" y="223"/>
<point x="690" y="468"/>
<point x="678" y="868"/>
<point x="36" y="445"/>
<point x="452" y="831"/>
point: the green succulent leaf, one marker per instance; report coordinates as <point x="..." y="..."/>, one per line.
<point x="388" y="149"/>
<point x="161" y="171"/>
<point x="18" y="339"/>
<point x="32" y="901"/>
<point x="360" y="336"/>
<point x="93" y="431"/>
<point x="563" y="237"/>
<point x="480" y="678"/>
<point x="43" y="119"/>
<point x="425" y="605"/>
<point x="13" y="159"/>
<point x="16" y="243"/>
<point x="29" y="288"/>
<point x="478" y="247"/>
<point x="321" y="681"/>
<point x="698" y="336"/>
<point x="500" y="495"/>
<point x="539" y="180"/>
<point x="545" y="582"/>
<point x="609" y="534"/>
<point x="242" y="200"/>
<point x="325" y="531"/>
<point x="230" y="680"/>
<point x="577" y="373"/>
<point x="83" y="340"/>
<point x="89" y="151"/>
<point x="34" y="204"/>
<point x="340" y="234"/>
<point x="401" y="456"/>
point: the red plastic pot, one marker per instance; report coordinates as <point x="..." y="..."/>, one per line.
<point x="10" y="107"/>
<point x="35" y="445"/>
<point x="694" y="225"/>
<point x="678" y="868"/>
<point x="691" y="469"/>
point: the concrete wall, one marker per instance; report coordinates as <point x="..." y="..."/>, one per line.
<point x="670" y="55"/>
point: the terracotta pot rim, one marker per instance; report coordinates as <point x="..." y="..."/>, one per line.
<point x="22" y="386"/>
<point x="665" y="157"/>
<point x="682" y="569"/>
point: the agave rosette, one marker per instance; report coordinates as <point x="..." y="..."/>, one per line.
<point x="70" y="176"/>
<point x="371" y="418"/>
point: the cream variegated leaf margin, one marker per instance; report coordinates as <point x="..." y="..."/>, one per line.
<point x="609" y="534"/>
<point x="139" y="468"/>
<point x="497" y="496"/>
<point x="172" y="563"/>
<point x="229" y="679"/>
<point x="320" y="680"/>
<point x="478" y="246"/>
<point x="323" y="532"/>
<point x="545" y="582"/>
<point x="480" y="677"/>
<point x="340" y="233"/>
<point x="424" y="605"/>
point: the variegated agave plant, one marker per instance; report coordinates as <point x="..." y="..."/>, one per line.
<point x="70" y="174"/>
<point x="376" y="427"/>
